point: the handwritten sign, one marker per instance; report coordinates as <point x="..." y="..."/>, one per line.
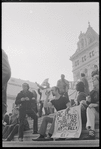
<point x="68" y="123"/>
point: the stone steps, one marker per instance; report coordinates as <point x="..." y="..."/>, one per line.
<point x="28" y="134"/>
<point x="67" y="143"/>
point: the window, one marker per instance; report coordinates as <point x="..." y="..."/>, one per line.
<point x="77" y="63"/>
<point x="84" y="58"/>
<point x="91" y="54"/>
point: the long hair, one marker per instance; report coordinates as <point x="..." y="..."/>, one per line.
<point x="56" y="88"/>
<point x="80" y="86"/>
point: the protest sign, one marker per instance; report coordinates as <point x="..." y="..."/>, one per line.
<point x="68" y="123"/>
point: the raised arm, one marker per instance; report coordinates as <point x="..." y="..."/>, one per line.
<point x="47" y="102"/>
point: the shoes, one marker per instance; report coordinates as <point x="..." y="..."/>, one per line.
<point x="48" y="139"/>
<point x="89" y="137"/>
<point x="43" y="139"/>
<point x="35" y="133"/>
<point x="20" y="139"/>
<point x="72" y="139"/>
<point x="60" y="139"/>
<point x="38" y="139"/>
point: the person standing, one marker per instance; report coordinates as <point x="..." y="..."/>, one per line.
<point x="43" y="98"/>
<point x="86" y="85"/>
<point x="63" y="86"/>
<point x="6" y="74"/>
<point x="25" y="98"/>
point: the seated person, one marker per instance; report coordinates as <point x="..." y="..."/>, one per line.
<point x="13" y="121"/>
<point x="15" y="130"/>
<point x="80" y="99"/>
<point x="59" y="103"/>
<point x="93" y="109"/>
<point x="5" y="122"/>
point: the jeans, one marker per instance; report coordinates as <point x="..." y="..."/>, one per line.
<point x="44" y="124"/>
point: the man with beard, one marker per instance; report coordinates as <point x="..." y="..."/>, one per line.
<point x="60" y="103"/>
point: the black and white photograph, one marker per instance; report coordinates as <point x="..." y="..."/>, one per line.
<point x="50" y="74"/>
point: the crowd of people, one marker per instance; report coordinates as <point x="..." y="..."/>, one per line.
<point x="50" y="98"/>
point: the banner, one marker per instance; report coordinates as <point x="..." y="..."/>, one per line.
<point x="45" y="82"/>
<point x="68" y="123"/>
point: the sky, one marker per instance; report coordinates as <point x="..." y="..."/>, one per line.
<point x="39" y="38"/>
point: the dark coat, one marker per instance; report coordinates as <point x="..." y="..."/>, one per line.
<point x="25" y="105"/>
<point x="6" y="74"/>
<point x="6" y="70"/>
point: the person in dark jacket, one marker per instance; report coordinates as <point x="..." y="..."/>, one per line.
<point x="86" y="84"/>
<point x="25" y="98"/>
<point x="80" y="99"/>
<point x="6" y="74"/>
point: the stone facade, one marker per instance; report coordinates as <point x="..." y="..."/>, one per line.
<point x="86" y="55"/>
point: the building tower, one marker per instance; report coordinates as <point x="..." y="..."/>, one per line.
<point x="86" y="55"/>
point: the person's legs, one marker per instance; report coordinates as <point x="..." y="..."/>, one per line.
<point x="51" y="130"/>
<point x="10" y="128"/>
<point x="90" y="118"/>
<point x="43" y="127"/>
<point x="22" y="115"/>
<point x="49" y="111"/>
<point x="84" y="106"/>
<point x="45" y="109"/>
<point x="40" y="109"/>
<point x="5" y="129"/>
<point x="33" y="115"/>
<point x="13" y="132"/>
<point x="92" y="115"/>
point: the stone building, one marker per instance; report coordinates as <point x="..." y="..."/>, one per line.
<point x="86" y="55"/>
